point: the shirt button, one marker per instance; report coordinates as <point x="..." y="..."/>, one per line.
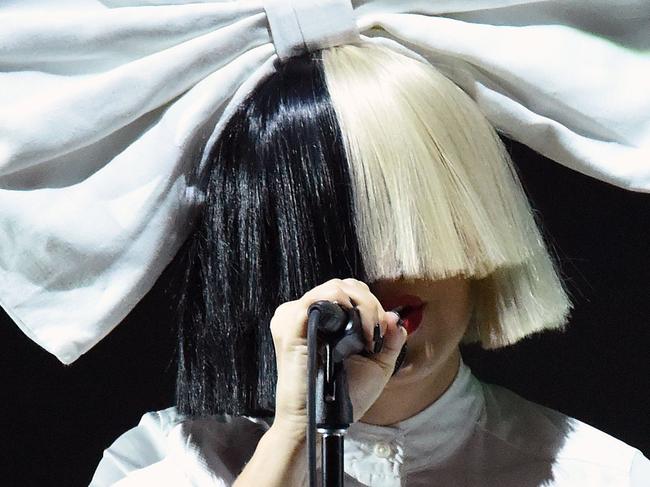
<point x="382" y="450"/>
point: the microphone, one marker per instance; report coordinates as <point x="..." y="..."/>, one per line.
<point x="341" y="328"/>
<point x="329" y="407"/>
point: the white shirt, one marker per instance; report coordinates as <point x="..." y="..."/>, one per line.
<point x="475" y="434"/>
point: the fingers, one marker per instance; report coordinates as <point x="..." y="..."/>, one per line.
<point x="370" y="308"/>
<point x="295" y="312"/>
<point x="332" y="290"/>
<point x="346" y="292"/>
<point x="394" y="339"/>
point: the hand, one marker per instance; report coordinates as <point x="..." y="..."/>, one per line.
<point x="367" y="376"/>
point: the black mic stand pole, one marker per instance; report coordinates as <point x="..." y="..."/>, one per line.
<point x="333" y="334"/>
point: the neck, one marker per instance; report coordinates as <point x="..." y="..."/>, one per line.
<point x="401" y="401"/>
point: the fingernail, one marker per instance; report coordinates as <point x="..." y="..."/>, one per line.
<point x="400" y="358"/>
<point x="377" y="339"/>
<point x="379" y="345"/>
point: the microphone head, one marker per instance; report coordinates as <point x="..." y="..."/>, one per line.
<point x="332" y="318"/>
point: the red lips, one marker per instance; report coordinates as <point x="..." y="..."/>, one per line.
<point x="412" y="311"/>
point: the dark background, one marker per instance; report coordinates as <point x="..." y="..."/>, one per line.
<point x="56" y="420"/>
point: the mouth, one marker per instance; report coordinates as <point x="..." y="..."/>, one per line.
<point x="410" y="309"/>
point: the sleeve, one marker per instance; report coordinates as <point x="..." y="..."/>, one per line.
<point x="166" y="449"/>
<point x="140" y="447"/>
<point x="640" y="471"/>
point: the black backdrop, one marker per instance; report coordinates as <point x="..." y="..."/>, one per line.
<point x="56" y="420"/>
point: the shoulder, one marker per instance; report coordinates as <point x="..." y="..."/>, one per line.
<point x="574" y="450"/>
<point x="164" y="440"/>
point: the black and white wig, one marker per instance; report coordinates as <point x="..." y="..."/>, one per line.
<point x="354" y="161"/>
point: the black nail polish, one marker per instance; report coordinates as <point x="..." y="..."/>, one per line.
<point x="400" y="359"/>
<point x="377" y="339"/>
<point x="379" y="345"/>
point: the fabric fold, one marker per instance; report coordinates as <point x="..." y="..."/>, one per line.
<point x="108" y="105"/>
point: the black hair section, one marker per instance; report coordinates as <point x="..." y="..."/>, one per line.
<point x="276" y="222"/>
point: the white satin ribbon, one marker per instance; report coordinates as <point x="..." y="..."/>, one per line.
<point x="105" y="105"/>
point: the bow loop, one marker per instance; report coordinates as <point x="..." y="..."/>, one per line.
<point x="106" y="106"/>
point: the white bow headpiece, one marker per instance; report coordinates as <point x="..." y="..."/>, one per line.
<point x="106" y="103"/>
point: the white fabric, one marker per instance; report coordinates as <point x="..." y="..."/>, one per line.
<point x="298" y="26"/>
<point x="107" y="104"/>
<point x="474" y="435"/>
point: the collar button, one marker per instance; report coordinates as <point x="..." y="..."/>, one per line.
<point x="382" y="450"/>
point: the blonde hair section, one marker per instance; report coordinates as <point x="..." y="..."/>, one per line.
<point x="436" y="194"/>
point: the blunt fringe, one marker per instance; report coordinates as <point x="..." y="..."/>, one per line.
<point x="436" y="193"/>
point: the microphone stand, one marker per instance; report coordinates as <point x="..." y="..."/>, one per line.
<point x="333" y="333"/>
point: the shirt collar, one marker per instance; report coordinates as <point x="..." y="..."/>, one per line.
<point x="427" y="438"/>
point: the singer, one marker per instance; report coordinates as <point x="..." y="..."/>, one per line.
<point x="360" y="175"/>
